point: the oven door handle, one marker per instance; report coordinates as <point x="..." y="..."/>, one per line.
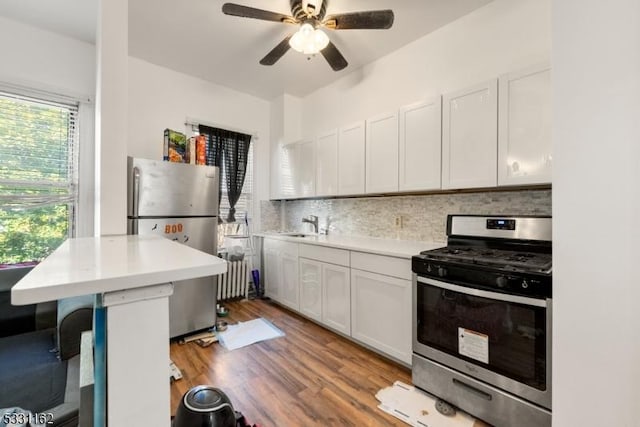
<point x="484" y="294"/>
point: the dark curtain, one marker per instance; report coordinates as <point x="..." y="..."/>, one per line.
<point x="231" y="149"/>
<point x="214" y="138"/>
<point x="236" y="154"/>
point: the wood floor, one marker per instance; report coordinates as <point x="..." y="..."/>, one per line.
<point x="310" y="377"/>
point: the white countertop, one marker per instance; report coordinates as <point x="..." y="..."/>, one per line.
<point x="388" y="247"/>
<point x="92" y="265"/>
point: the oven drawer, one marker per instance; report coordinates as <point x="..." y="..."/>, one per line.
<point x="477" y="398"/>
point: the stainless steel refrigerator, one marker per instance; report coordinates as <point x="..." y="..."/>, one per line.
<point x="180" y="202"/>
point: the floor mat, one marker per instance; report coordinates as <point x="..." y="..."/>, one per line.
<point x="245" y="333"/>
<point x="417" y="408"/>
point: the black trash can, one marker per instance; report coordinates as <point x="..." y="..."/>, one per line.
<point x="205" y="406"/>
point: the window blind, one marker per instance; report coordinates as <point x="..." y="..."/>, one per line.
<point x="38" y="175"/>
<point x="38" y="152"/>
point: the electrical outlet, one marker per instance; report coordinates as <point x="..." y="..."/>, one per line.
<point x="398" y="222"/>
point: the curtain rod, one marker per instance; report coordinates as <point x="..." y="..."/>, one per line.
<point x="195" y="122"/>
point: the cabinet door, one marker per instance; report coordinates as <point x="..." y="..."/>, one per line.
<point x="524" y="135"/>
<point x="381" y="163"/>
<point x="272" y="283"/>
<point x="420" y="145"/>
<point x="297" y="170"/>
<point x="305" y="177"/>
<point x="311" y="288"/>
<point x="336" y="297"/>
<point x="470" y="137"/>
<point x="288" y="170"/>
<point x="289" y="294"/>
<point x="351" y="159"/>
<point x="327" y="164"/>
<point x="381" y="313"/>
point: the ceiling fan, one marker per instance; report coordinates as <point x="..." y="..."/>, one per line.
<point x="310" y="39"/>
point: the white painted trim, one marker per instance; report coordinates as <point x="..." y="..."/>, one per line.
<point x="127" y="296"/>
<point x="190" y="121"/>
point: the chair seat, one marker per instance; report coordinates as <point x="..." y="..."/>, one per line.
<point x="31" y="374"/>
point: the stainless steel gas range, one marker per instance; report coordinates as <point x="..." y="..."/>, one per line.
<point x="482" y="319"/>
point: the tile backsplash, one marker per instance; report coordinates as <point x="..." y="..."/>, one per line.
<point x="423" y="217"/>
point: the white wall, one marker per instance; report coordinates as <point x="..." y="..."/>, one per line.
<point x="112" y="46"/>
<point x="160" y="98"/>
<point x="43" y="60"/>
<point x="596" y="209"/>
<point x="503" y="36"/>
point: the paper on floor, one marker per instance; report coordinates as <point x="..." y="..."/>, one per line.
<point x="417" y="408"/>
<point x="245" y="333"/>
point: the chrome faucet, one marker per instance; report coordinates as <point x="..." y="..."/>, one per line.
<point x="313" y="220"/>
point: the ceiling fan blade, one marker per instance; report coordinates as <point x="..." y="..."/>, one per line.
<point x="334" y="57"/>
<point x="369" y="20"/>
<point x="277" y="52"/>
<point x="251" y="12"/>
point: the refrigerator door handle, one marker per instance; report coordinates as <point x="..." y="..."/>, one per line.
<point x="136" y="198"/>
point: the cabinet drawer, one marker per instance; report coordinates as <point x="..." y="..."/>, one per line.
<point x="283" y="246"/>
<point x="390" y="266"/>
<point x="324" y="254"/>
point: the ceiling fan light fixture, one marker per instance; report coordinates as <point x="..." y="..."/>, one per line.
<point x="309" y="40"/>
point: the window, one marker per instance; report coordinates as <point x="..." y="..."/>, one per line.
<point x="38" y="176"/>
<point x="244" y="205"/>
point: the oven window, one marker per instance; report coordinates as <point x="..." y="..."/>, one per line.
<point x="504" y="337"/>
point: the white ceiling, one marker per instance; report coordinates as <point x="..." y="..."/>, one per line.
<point x="196" y="38"/>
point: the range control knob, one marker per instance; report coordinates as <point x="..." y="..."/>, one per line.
<point x="501" y="281"/>
<point x="442" y="271"/>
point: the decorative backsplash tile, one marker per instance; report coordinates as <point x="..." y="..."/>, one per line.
<point x="270" y="216"/>
<point x="423" y="217"/>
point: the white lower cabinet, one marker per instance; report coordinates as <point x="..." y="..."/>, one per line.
<point x="289" y="294"/>
<point x="325" y="294"/>
<point x="336" y="298"/>
<point x="272" y="273"/>
<point x="310" y="288"/>
<point x="325" y="289"/>
<point x="381" y="313"/>
<point x="281" y="272"/>
<point x="362" y="295"/>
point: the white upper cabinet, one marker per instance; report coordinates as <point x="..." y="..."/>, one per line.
<point x="297" y="169"/>
<point x="288" y="165"/>
<point x="306" y="169"/>
<point x="351" y="155"/>
<point x="524" y="136"/>
<point x="470" y="137"/>
<point x="420" y="147"/>
<point x="327" y="164"/>
<point x="382" y="153"/>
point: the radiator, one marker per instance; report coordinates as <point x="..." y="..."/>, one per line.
<point x="235" y="282"/>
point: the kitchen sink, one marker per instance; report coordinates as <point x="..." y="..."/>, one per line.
<point x="296" y="234"/>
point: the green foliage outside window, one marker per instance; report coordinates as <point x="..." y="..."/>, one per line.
<point x="37" y="193"/>
<point x="33" y="234"/>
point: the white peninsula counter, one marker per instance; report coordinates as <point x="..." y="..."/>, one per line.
<point x="131" y="277"/>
